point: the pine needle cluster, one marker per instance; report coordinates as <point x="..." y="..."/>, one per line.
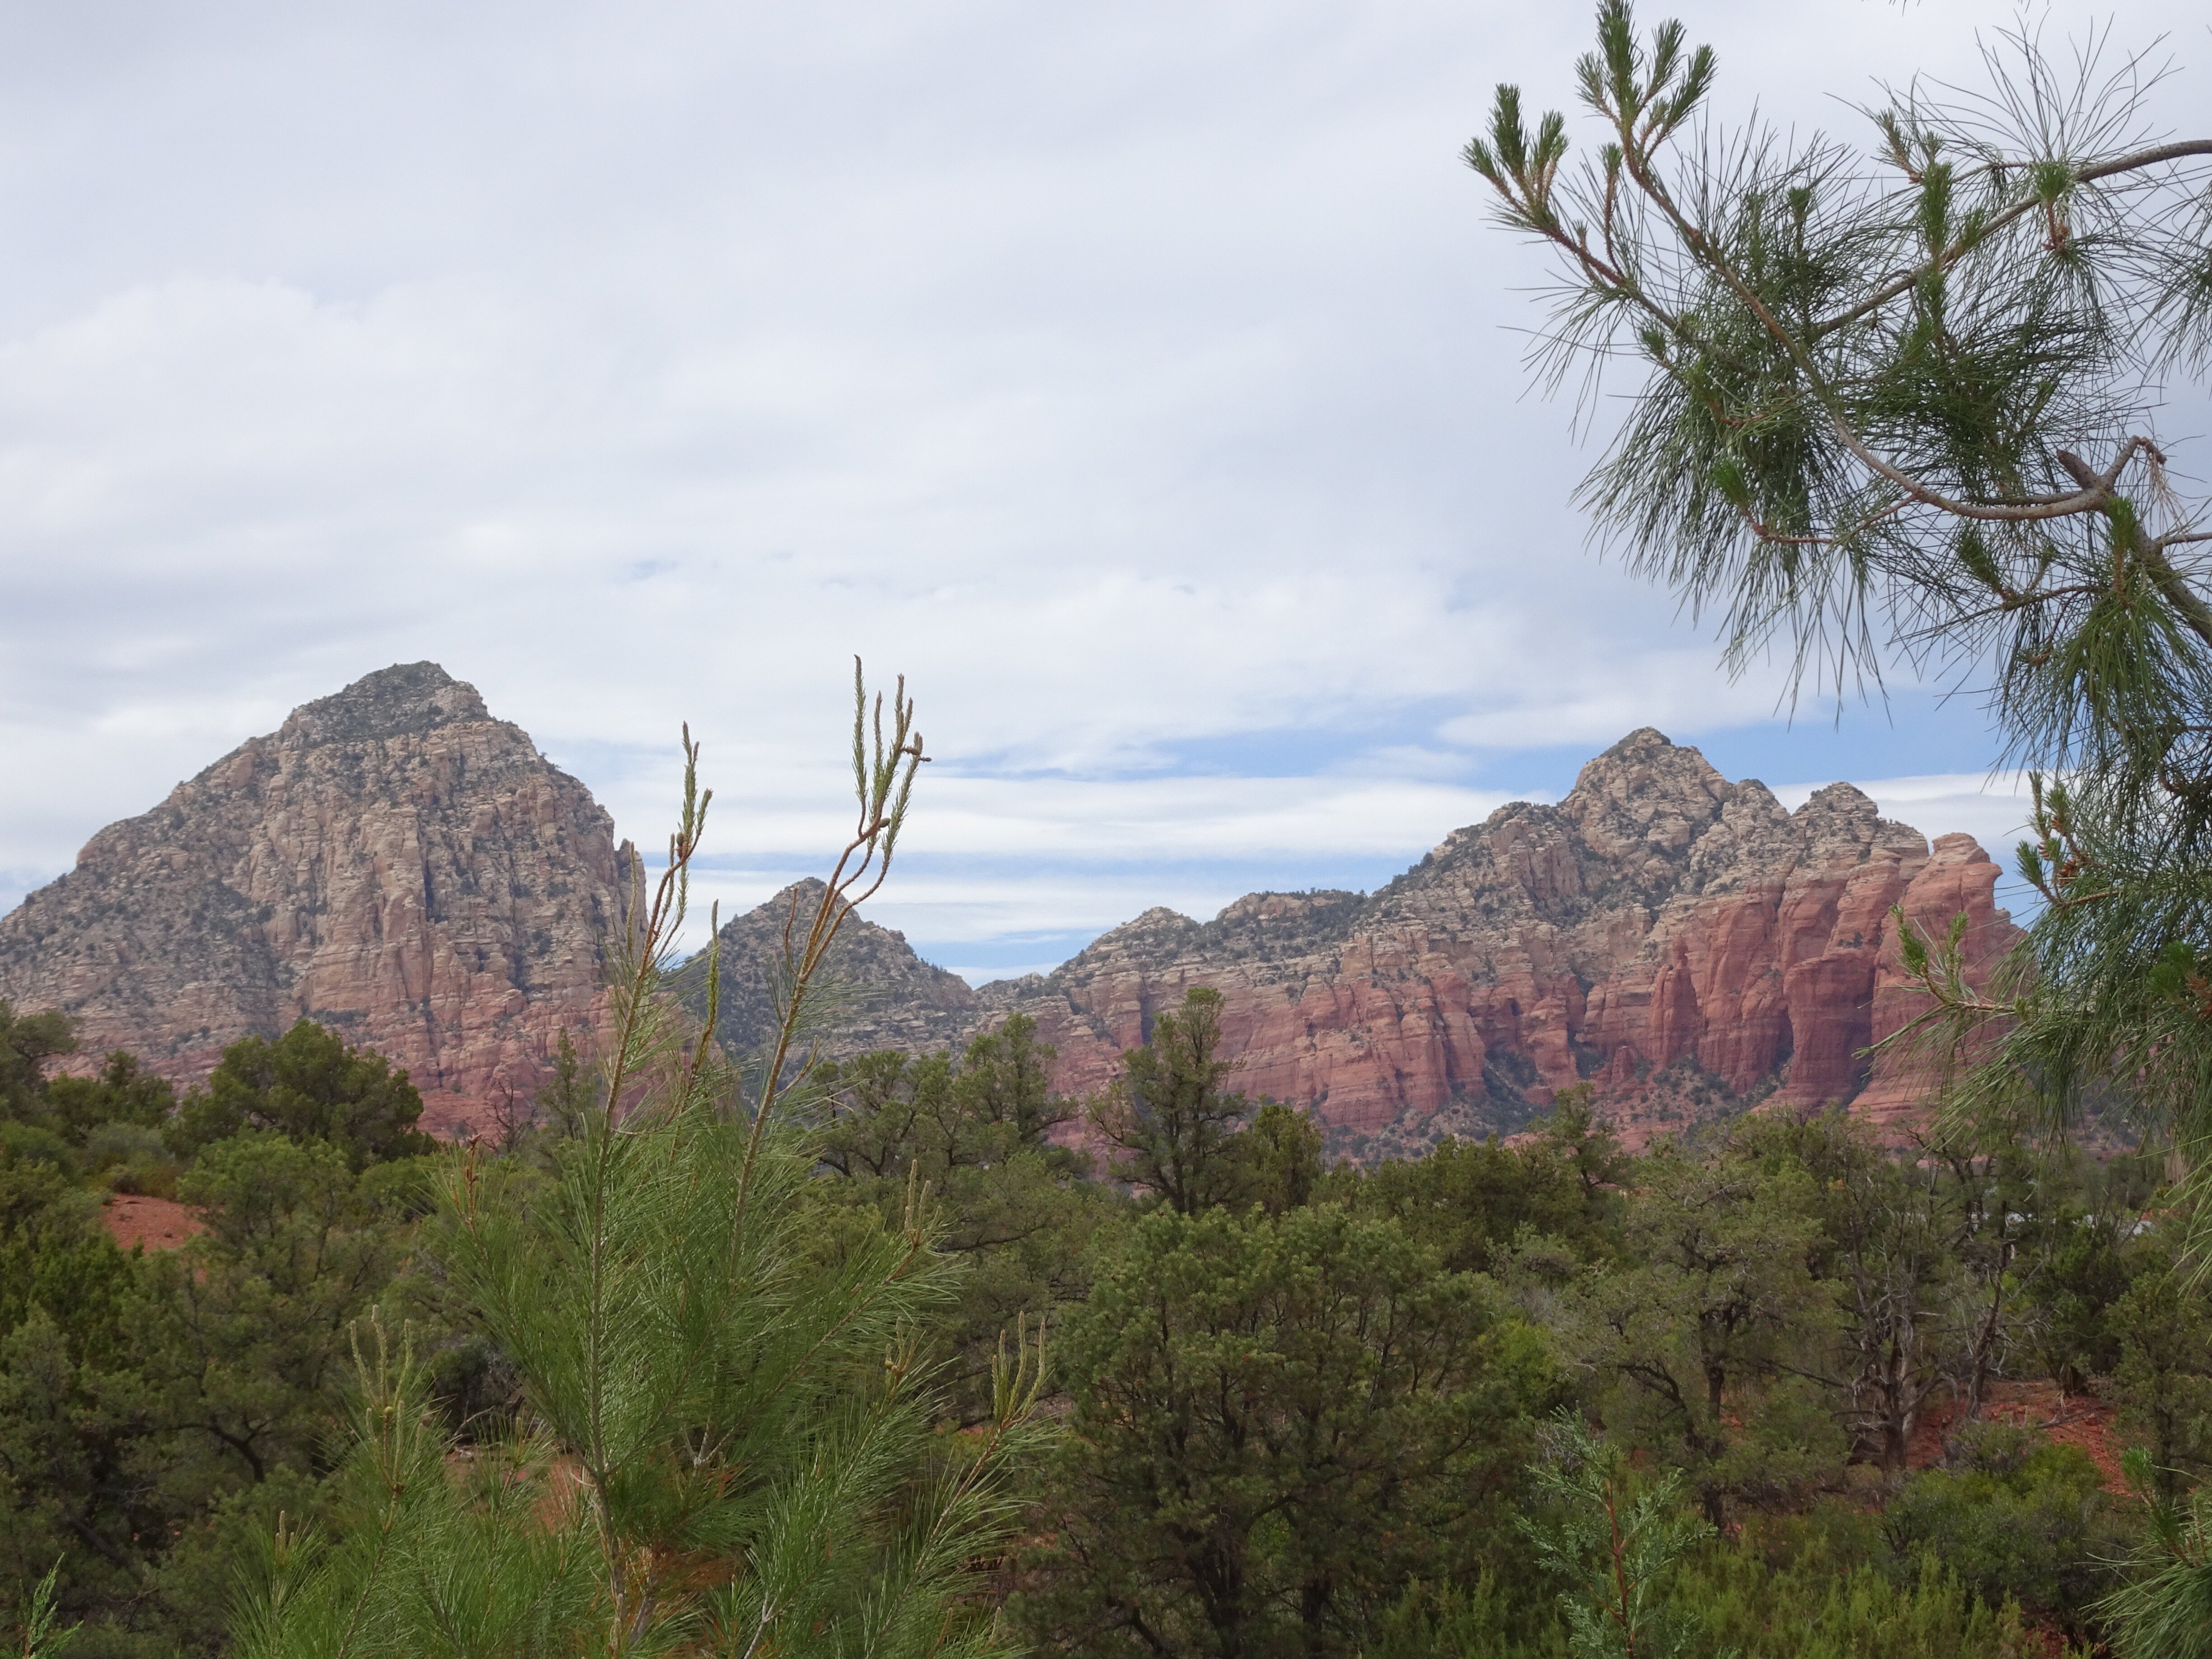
<point x="1898" y="403"/>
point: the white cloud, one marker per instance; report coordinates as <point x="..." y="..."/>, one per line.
<point x="1136" y="378"/>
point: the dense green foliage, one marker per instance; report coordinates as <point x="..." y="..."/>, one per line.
<point x="974" y="1130"/>
<point x="1315" y="1416"/>
<point x="310" y="1086"/>
<point x="1785" y="1329"/>
<point x="1278" y="1421"/>
<point x="157" y="1412"/>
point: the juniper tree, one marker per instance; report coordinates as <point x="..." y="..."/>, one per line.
<point x="1277" y="1423"/>
<point x="724" y="1440"/>
<point x="1171" y="1123"/>
<point x="1898" y="402"/>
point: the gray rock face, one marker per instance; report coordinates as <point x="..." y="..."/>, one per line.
<point x="876" y="992"/>
<point x="391" y="861"/>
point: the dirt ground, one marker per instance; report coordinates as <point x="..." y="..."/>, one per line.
<point x="159" y="1223"/>
<point x="2076" y="1420"/>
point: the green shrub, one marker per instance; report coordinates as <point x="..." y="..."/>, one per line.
<point x="1819" y="1586"/>
<point x="33" y="1143"/>
<point x="2017" y="1517"/>
<point x="132" y="1157"/>
<point x="1431" y="1621"/>
<point x="123" y="1092"/>
<point x="1739" y="1603"/>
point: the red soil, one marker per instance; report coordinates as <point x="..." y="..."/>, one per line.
<point x="2073" y="1419"/>
<point x="159" y="1223"/>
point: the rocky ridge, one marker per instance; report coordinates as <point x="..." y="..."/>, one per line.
<point x="392" y="861"/>
<point x="395" y="862"/>
<point x="875" y="992"/>
<point x="1684" y="943"/>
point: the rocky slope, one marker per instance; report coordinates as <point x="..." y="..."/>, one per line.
<point x="875" y="993"/>
<point x="1682" y="942"/>
<point x="392" y="861"/>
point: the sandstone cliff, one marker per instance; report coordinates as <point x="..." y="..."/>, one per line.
<point x="1681" y="942"/>
<point x="392" y="861"/>
<point x="397" y="863"/>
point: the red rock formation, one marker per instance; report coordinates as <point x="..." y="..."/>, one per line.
<point x="1957" y="878"/>
<point x="1680" y="941"/>
<point x="397" y="863"/>
<point x="392" y="861"/>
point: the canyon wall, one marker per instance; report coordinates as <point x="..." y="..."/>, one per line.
<point x="1682" y="942"/>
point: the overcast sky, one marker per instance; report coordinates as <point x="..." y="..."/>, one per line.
<point x="1139" y="380"/>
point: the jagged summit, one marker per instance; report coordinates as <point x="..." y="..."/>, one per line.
<point x="407" y="699"/>
<point x="391" y="861"/>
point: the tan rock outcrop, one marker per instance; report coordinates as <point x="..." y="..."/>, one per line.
<point x="392" y="861"/>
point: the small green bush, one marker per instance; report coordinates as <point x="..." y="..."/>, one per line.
<point x="2017" y="1517"/>
<point x="1736" y="1602"/>
<point x="33" y="1143"/>
<point x="1816" y="1586"/>
<point x="1432" y="1621"/>
<point x="132" y="1157"/>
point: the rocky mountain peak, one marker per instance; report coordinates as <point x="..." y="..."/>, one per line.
<point x="1151" y="930"/>
<point x="405" y="700"/>
<point x="393" y="862"/>
<point x="1645" y="790"/>
<point x="1841" y="822"/>
<point x="875" y="992"/>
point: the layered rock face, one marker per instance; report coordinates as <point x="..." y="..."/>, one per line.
<point x="400" y="866"/>
<point x="1682" y="942"/>
<point x="393" y="862"/>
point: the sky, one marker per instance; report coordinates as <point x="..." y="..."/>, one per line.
<point x="1142" y="381"/>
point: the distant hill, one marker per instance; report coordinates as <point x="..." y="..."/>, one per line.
<point x="398" y="863"/>
<point x="876" y="992"/>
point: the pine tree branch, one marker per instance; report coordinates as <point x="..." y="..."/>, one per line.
<point x="1905" y="281"/>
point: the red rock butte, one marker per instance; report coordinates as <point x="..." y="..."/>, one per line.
<point x="1683" y="943"/>
<point x="392" y="861"/>
<point x="398" y="864"/>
